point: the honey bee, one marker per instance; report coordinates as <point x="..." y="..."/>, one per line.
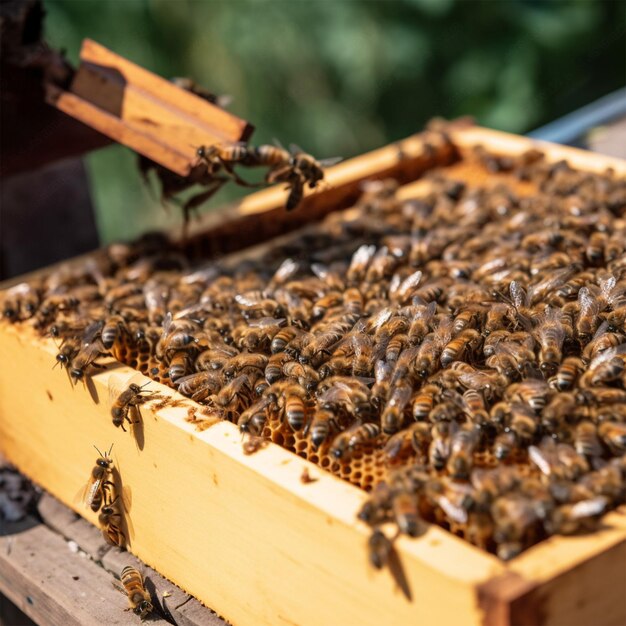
<point x="112" y="331"/>
<point x="20" y="302"/>
<point x="586" y="440"/>
<point x="562" y="408"/>
<point x="258" y="333"/>
<point x="345" y="444"/>
<point x="439" y="448"/>
<point x="382" y="377"/>
<point x="424" y="401"/>
<point x="569" y="519"/>
<point x="215" y="358"/>
<point x="420" y="322"/>
<point x="558" y="459"/>
<point x="199" y="385"/>
<point x="284" y="337"/>
<point x="90" y="349"/>
<point x="453" y="498"/>
<point x="515" y="517"/>
<point x="178" y="335"/>
<point x="392" y="416"/>
<point x="124" y="398"/>
<point x="359" y="263"/>
<point x="460" y="460"/>
<point x="550" y="334"/>
<point x="139" y="600"/>
<point x="67" y="351"/>
<point x="522" y="422"/>
<point x="307" y="377"/>
<point x="401" y="291"/>
<point x="475" y="407"/>
<point x="111" y="517"/>
<point x="246" y="362"/>
<point x="614" y="436"/>
<point x="567" y="374"/>
<point x="295" y="406"/>
<point x="588" y="309"/>
<point x="467" y="340"/>
<point x="321" y="425"/>
<point x="374" y="510"/>
<point x="380" y="547"/>
<point x="504" y="445"/>
<point x="428" y="354"/>
<point x="180" y="364"/>
<point x="92" y="494"/>
<point x="405" y="513"/>
<point x="234" y="395"/>
<point x="416" y="438"/>
<point x="533" y="392"/>
<point x="602" y="340"/>
<point x="254" y="418"/>
<point x="606" y="367"/>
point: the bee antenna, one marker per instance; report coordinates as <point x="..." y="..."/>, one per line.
<point x="109" y="452"/>
<point x="98" y="451"/>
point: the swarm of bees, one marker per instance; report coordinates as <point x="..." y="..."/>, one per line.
<point x="461" y="355"/>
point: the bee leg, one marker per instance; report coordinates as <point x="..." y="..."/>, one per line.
<point x="240" y="181"/>
<point x="278" y="175"/>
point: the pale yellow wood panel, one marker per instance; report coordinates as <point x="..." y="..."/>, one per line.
<point x="241" y="533"/>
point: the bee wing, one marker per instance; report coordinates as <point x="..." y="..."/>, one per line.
<point x="537" y="456"/>
<point x="295" y="149"/>
<point x="586" y="301"/>
<point x="278" y="144"/>
<point x="362" y="256"/>
<point x="247" y="299"/>
<point x="606" y="286"/>
<point x="288" y="269"/>
<point x="167" y="323"/>
<point x="409" y="284"/>
<point x="91" y="333"/>
<point x="127" y="498"/>
<point x="81" y="494"/>
<point x="118" y="586"/>
<point x="330" y="161"/>
<point x="607" y="355"/>
<point x="589" y="508"/>
<point x="518" y="295"/>
<point x="455" y="512"/>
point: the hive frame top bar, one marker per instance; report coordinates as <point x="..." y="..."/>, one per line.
<point x="143" y="111"/>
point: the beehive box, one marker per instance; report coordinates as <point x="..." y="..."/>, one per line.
<point x="243" y="533"/>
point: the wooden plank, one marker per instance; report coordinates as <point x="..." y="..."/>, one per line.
<point x="174" y="603"/>
<point x="508" y="144"/>
<point x="143" y="111"/>
<point x="55" y="586"/>
<point x="215" y="524"/>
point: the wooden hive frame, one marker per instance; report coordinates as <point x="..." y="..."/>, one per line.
<point x="247" y="537"/>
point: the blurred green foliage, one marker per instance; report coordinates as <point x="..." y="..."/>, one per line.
<point x="343" y="77"/>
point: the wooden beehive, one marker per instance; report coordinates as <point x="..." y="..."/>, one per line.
<point x="243" y="533"/>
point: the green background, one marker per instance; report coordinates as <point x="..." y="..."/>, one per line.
<point x="342" y="77"/>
